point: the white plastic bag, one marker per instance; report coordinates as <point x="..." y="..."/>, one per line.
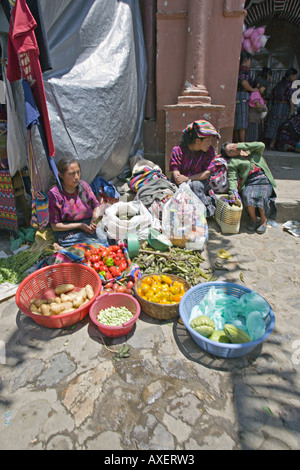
<point x="184" y="219"/>
<point x="127" y="217"/>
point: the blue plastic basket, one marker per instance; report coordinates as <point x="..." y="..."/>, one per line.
<point x="193" y="297"/>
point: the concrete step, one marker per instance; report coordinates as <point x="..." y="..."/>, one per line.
<point x="285" y="167"/>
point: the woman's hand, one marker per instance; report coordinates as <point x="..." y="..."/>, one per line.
<point x="179" y="178"/>
<point x="88" y="228"/>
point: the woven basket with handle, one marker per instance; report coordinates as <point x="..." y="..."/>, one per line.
<point x="228" y="217"/>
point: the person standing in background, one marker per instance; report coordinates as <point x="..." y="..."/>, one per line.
<point x="242" y="98"/>
<point x="281" y="106"/>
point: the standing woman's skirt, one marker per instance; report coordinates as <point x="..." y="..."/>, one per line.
<point x="258" y="192"/>
<point x="252" y="132"/>
<point x="278" y="115"/>
<point x="241" y="110"/>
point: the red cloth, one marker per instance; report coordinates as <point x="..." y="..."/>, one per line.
<point x="23" y="61"/>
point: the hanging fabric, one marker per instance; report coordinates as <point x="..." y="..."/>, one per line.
<point x="23" y="61"/>
<point x="8" y="211"/>
<point x="32" y="116"/>
<point x="39" y="203"/>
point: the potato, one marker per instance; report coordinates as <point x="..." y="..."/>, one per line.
<point x="66" y="306"/>
<point x="83" y="293"/>
<point x="39" y="302"/>
<point x="56" y="309"/>
<point x="56" y="300"/>
<point x="33" y="308"/>
<point x="63" y="288"/>
<point x="65" y="297"/>
<point x="89" y="291"/>
<point x="45" y="310"/>
<point x="78" y="301"/>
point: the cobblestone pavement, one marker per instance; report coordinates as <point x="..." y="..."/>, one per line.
<point x="61" y="389"/>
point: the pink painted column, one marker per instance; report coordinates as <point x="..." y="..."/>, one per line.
<point x="196" y="46"/>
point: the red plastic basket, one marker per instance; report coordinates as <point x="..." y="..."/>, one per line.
<point x="108" y="300"/>
<point x="42" y="283"/>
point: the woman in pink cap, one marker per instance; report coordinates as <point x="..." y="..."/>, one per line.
<point x="192" y="161"/>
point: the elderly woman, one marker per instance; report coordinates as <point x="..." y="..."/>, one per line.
<point x="249" y="174"/>
<point x="74" y="209"/>
<point x="192" y="160"/>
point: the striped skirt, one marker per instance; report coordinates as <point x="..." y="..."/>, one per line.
<point x="277" y="116"/>
<point x="241" y="110"/>
<point x="258" y="192"/>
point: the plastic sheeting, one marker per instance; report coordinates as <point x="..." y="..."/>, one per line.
<point x="97" y="86"/>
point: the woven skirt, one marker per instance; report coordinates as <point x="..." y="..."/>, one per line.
<point x="241" y="110"/>
<point x="252" y="132"/>
<point x="72" y="237"/>
<point x="277" y="116"/>
<point x="258" y="192"/>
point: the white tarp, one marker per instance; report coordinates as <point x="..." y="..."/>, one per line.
<point x="96" y="90"/>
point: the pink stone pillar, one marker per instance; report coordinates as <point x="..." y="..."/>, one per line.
<point x="196" y="46"/>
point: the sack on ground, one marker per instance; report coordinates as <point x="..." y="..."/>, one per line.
<point x="127" y="217"/>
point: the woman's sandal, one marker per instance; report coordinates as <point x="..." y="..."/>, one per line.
<point x="261" y="229"/>
<point x="251" y="226"/>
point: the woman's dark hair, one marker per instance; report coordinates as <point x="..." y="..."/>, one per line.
<point x="223" y="150"/>
<point x="261" y="82"/>
<point x="189" y="138"/>
<point x="62" y="167"/>
<point x="244" y="56"/>
<point x="65" y="162"/>
<point x="265" y="72"/>
<point x="290" y="72"/>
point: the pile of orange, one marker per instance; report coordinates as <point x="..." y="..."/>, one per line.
<point x="161" y="289"/>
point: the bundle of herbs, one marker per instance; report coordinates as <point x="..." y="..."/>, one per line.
<point x="13" y="269"/>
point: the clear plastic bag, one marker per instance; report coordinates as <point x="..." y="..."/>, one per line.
<point x="184" y="219"/>
<point x="127" y="217"/>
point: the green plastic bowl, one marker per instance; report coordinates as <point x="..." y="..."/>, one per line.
<point x="158" y="241"/>
<point x="133" y="245"/>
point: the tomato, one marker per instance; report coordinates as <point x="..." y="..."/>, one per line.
<point x="128" y="291"/>
<point x="89" y="263"/>
<point x="109" y="285"/>
<point x="95" y="258"/>
<point x="108" y="275"/>
<point x="130" y="285"/>
<point x="123" y="266"/>
<point x="115" y="271"/>
<point x="117" y="260"/>
<point x="87" y="254"/>
<point x="114" y="248"/>
<point x="148" y="280"/>
<point x="121" y="289"/>
<point x="97" y="266"/>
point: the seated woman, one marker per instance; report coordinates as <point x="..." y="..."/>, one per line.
<point x="289" y="135"/>
<point x="192" y="160"/>
<point x="74" y="210"/>
<point x="249" y="174"/>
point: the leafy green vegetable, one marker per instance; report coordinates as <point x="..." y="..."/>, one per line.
<point x="13" y="268"/>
